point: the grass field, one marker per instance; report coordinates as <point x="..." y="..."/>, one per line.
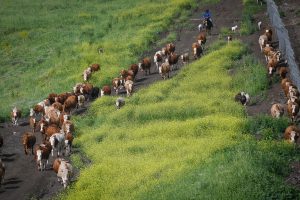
<point x="46" y="45"/>
<point x="184" y="138"/>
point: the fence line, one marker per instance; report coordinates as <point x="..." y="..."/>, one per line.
<point x="284" y="41"/>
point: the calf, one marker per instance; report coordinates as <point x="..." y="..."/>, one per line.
<point x="28" y="141"/>
<point x="87" y="74"/>
<point x="120" y="102"/>
<point x="145" y="65"/>
<point x="106" y="90"/>
<point x="277" y="110"/>
<point x="15" y="115"/>
<point x="243" y="98"/>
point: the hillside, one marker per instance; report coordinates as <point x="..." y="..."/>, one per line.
<point x="183" y="138"/>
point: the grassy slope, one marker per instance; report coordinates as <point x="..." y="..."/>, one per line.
<point x="46" y="45"/>
<point x="181" y="139"/>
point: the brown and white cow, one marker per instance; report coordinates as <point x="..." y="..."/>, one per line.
<point x="118" y="83"/>
<point x="292" y="110"/>
<point x="57" y="141"/>
<point x="42" y="153"/>
<point x="277" y="110"/>
<point x="15" y="115"/>
<point x="68" y="143"/>
<point x="64" y="171"/>
<point x="28" y="140"/>
<point x="129" y="87"/>
<point x="197" y="50"/>
<point x="106" y="90"/>
<point x="292" y="133"/>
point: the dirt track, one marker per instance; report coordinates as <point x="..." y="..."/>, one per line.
<point x="23" y="181"/>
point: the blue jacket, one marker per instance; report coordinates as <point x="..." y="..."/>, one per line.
<point x="207" y="15"/>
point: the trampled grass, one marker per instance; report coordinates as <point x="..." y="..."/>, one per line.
<point x="182" y="139"/>
<point x="45" y="46"/>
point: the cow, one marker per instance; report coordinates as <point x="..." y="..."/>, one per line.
<point x="95" y="92"/>
<point x="87" y="74"/>
<point x="57" y="141"/>
<point x="197" y="50"/>
<point x="68" y="126"/>
<point x="106" y="90"/>
<point x="95" y="67"/>
<point x="134" y="68"/>
<point x="64" y="171"/>
<point x="292" y="133"/>
<point x="292" y="110"/>
<point x="120" y="102"/>
<point x="81" y="100"/>
<point x="243" y="98"/>
<point x="42" y="153"/>
<point x="28" y="140"/>
<point x="51" y="98"/>
<point x="185" y="58"/>
<point x="165" y="69"/>
<point x="277" y="110"/>
<point x="118" y="83"/>
<point x="68" y="143"/>
<point x="145" y="65"/>
<point x="158" y="58"/>
<point x="15" y="115"/>
<point x="129" y="87"/>
<point x="173" y="61"/>
<point x="32" y="120"/>
<point x="201" y="38"/>
<point x="70" y="104"/>
<point x="169" y="49"/>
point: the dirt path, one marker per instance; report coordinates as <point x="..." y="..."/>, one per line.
<point x="23" y="181"/>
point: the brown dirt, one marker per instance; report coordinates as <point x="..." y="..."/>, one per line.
<point x="24" y="181"/>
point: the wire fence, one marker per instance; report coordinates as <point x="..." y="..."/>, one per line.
<point x="284" y="41"/>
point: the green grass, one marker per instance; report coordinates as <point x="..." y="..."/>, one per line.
<point x="248" y="25"/>
<point x="182" y="139"/>
<point x="46" y="45"/>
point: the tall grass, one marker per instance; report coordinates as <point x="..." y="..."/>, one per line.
<point x="248" y="25"/>
<point x="46" y="45"/>
<point x="181" y="139"/>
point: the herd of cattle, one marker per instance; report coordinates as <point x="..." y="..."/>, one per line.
<point x="52" y="116"/>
